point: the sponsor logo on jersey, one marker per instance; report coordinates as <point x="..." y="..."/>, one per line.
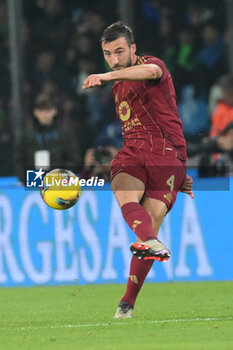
<point x="124" y="111"/>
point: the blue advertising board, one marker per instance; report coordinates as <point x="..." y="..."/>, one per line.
<point x="89" y="243"/>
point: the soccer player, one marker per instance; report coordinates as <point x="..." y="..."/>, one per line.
<point x="150" y="169"/>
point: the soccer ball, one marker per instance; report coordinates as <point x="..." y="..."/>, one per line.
<point x="61" y="189"/>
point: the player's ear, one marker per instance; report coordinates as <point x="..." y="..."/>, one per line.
<point x="133" y="47"/>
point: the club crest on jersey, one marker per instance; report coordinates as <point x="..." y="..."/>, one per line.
<point x="124" y="111"/>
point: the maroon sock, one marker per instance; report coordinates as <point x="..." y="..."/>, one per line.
<point x="138" y="220"/>
<point x="139" y="269"/>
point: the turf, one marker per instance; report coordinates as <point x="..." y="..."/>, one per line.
<point x="167" y="316"/>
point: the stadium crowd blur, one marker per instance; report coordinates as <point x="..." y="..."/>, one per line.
<point x="61" y="48"/>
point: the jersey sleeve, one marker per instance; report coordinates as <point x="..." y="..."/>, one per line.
<point x="161" y="64"/>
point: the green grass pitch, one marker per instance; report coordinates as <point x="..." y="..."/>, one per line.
<point x="171" y="316"/>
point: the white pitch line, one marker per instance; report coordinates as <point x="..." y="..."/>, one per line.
<point x="113" y="323"/>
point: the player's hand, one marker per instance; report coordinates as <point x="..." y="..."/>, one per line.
<point x="95" y="80"/>
<point x="187" y="186"/>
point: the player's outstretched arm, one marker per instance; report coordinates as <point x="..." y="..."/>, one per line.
<point x="138" y="72"/>
<point x="96" y="80"/>
<point x="133" y="73"/>
<point x="187" y="186"/>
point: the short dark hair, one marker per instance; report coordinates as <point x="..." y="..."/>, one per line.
<point x="116" y="31"/>
<point x="44" y="102"/>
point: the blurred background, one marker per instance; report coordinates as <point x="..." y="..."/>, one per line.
<point x="48" y="47"/>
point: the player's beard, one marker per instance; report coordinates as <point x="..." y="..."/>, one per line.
<point x="127" y="64"/>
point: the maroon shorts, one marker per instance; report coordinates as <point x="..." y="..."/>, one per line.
<point x="162" y="175"/>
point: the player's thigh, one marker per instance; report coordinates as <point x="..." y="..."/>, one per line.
<point x="157" y="210"/>
<point x="127" y="188"/>
<point x="165" y="179"/>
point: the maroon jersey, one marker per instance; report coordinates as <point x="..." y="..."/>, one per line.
<point x="148" y="112"/>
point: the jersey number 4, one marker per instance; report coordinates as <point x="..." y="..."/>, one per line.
<point x="170" y="182"/>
